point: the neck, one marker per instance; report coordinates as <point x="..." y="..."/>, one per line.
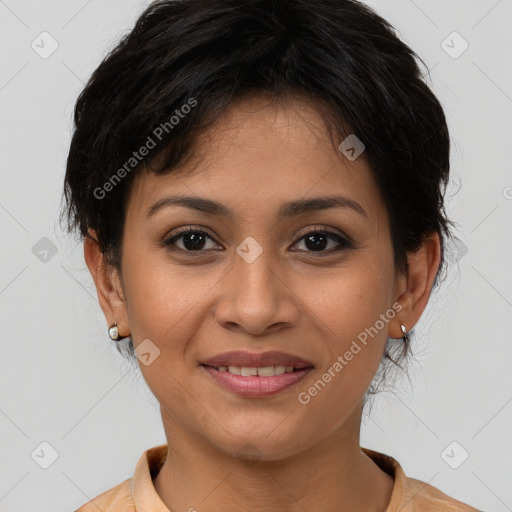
<point x="333" y="475"/>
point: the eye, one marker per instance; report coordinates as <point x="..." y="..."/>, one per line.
<point x="317" y="239"/>
<point x="194" y="240"/>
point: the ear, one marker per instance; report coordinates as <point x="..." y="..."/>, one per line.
<point x="414" y="288"/>
<point x="108" y="285"/>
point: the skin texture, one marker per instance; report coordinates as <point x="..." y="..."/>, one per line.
<point x="274" y="453"/>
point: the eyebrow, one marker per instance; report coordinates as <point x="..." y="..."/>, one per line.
<point x="287" y="210"/>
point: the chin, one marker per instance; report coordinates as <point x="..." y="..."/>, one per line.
<point x="266" y="444"/>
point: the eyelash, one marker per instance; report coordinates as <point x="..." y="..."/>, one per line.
<point x="345" y="243"/>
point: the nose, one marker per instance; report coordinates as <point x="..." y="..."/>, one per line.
<point x="257" y="297"/>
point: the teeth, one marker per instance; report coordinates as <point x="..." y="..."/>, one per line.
<point x="266" y="371"/>
<point x="246" y="372"/>
<point x="279" y="370"/>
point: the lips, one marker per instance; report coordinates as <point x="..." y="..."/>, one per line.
<point x="256" y="386"/>
<point x="264" y="359"/>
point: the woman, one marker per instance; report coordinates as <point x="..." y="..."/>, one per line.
<point x="260" y="188"/>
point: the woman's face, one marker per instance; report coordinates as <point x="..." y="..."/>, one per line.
<point x="257" y="282"/>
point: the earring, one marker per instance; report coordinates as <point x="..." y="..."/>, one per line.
<point x="113" y="332"/>
<point x="405" y="337"/>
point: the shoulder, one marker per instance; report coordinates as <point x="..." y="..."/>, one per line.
<point x="137" y="489"/>
<point x="425" y="497"/>
<point x="117" y="499"/>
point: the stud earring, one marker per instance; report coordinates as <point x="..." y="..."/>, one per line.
<point x="113" y="332"/>
<point x="405" y="337"/>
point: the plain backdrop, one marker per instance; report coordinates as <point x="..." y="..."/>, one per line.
<point x="66" y="394"/>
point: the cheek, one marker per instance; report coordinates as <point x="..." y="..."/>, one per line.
<point x="165" y="306"/>
<point x="348" y="301"/>
<point x="164" y="299"/>
<point x="350" y="311"/>
<point x="351" y="359"/>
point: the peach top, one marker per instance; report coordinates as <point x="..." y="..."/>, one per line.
<point x="137" y="494"/>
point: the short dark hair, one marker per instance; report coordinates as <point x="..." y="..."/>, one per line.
<point x="339" y="54"/>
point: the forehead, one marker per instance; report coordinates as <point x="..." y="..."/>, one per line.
<point x="257" y="156"/>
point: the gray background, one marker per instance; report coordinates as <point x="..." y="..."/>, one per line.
<point x="61" y="381"/>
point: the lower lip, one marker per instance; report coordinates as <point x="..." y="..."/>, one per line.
<point x="254" y="386"/>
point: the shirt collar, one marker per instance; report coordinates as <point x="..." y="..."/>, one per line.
<point x="392" y="467"/>
<point x="143" y="491"/>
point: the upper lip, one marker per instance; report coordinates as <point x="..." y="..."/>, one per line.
<point x="248" y="359"/>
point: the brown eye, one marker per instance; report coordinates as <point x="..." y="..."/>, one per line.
<point x="317" y="240"/>
<point x="194" y="240"/>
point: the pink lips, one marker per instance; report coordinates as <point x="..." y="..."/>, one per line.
<point x="256" y="386"/>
